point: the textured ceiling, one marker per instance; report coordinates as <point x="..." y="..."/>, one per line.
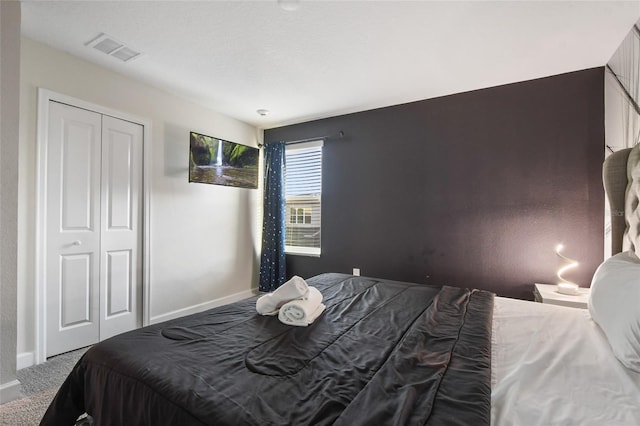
<point x="333" y="57"/>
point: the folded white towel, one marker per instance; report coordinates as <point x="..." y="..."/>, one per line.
<point x="295" y="288"/>
<point x="302" y="312"/>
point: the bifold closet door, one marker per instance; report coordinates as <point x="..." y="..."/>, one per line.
<point x="73" y="228"/>
<point x="94" y="179"/>
<point x="120" y="270"/>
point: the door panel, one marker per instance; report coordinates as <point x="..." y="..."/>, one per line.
<point x="119" y="283"/>
<point x="77" y="158"/>
<point x="121" y="225"/>
<point x="73" y="233"/>
<point x="119" y="180"/>
<point x="75" y="290"/>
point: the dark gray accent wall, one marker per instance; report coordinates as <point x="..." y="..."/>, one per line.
<point x="471" y="190"/>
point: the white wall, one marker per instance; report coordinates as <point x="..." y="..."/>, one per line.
<point x="9" y="108"/>
<point x="204" y="239"/>
<point x="622" y="123"/>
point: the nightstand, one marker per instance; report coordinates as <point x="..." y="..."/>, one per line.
<point x="546" y="293"/>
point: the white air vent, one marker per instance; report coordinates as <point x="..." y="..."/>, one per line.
<point x="112" y="47"/>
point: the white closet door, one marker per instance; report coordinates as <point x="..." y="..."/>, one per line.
<point x="93" y="219"/>
<point x="120" y="270"/>
<point x="73" y="228"/>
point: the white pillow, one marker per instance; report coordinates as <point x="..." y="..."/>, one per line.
<point x="614" y="305"/>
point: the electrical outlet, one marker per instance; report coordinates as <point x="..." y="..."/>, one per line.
<point x="356" y="271"/>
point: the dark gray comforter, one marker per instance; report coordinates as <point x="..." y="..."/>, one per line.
<point x="382" y="353"/>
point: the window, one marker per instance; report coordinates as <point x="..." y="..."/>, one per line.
<point x="303" y="188"/>
<point x="300" y="215"/>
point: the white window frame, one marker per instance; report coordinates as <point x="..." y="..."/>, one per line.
<point x="298" y="250"/>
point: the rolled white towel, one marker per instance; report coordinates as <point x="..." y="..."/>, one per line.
<point x="302" y="312"/>
<point x="295" y="288"/>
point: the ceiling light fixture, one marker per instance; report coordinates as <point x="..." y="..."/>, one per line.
<point x="289" y="5"/>
<point x="262" y="112"/>
<point x="112" y="47"/>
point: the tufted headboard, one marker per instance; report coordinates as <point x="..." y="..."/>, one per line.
<point x="621" y="175"/>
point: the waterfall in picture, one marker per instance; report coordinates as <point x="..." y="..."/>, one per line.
<point x="219" y="154"/>
<point x="220" y="162"/>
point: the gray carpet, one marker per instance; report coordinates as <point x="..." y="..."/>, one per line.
<point x="26" y="411"/>
<point x="39" y="385"/>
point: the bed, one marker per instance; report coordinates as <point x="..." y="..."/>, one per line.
<point x="386" y="352"/>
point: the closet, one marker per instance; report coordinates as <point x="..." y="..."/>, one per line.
<point x="92" y="215"/>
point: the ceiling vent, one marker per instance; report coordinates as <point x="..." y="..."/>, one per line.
<point x="112" y="47"/>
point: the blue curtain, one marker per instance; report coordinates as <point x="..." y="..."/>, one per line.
<point x="272" y="263"/>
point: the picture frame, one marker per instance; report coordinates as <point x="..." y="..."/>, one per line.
<point x="220" y="162"/>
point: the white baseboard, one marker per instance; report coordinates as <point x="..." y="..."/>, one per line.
<point x="203" y="306"/>
<point x="10" y="391"/>
<point x="25" y="359"/>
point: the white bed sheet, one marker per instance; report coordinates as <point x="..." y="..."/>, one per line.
<point x="552" y="365"/>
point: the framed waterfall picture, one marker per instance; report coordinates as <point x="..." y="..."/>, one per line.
<point x="219" y="162"/>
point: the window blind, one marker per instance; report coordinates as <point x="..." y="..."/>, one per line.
<point x="303" y="171"/>
<point x="303" y="189"/>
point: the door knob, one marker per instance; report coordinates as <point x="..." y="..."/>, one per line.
<point x="76" y="243"/>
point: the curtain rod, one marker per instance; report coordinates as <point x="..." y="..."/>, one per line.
<point x="339" y="136"/>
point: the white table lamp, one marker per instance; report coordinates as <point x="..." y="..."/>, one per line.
<point x="565" y="286"/>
